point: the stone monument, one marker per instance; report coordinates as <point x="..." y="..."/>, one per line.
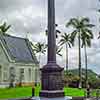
<point x="51" y="73"/>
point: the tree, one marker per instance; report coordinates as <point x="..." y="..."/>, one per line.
<point x="80" y="26"/>
<point x="86" y="41"/>
<point x="39" y="48"/>
<point x="66" y="40"/>
<point x="57" y="31"/>
<point x="58" y="50"/>
<point x="4" y="28"/>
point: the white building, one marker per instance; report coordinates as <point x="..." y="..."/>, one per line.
<point x="17" y="61"/>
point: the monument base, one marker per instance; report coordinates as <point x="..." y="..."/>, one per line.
<point x="52" y="84"/>
<point x="51" y="94"/>
<point x="61" y="98"/>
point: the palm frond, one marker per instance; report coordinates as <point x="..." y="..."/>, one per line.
<point x="89" y="25"/>
<point x="99" y="36"/>
<point x="8" y="27"/>
<point x="58" y="31"/>
<point x="39" y="47"/>
<point x="74" y="22"/>
<point x="85" y="20"/>
<point x="88" y="33"/>
<point x="58" y="51"/>
<point x="4" y="28"/>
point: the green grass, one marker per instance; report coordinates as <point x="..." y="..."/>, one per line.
<point x="15" y="92"/>
<point x="73" y="92"/>
<point x="20" y="92"/>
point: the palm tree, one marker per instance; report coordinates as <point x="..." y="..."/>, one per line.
<point x="86" y="41"/>
<point x="58" y="50"/>
<point x="4" y="28"/>
<point x="39" y="48"/>
<point x="80" y="26"/>
<point x="66" y="40"/>
<point x="57" y="31"/>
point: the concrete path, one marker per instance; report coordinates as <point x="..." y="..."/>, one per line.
<point x="37" y="98"/>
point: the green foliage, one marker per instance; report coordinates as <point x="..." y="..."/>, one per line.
<point x="82" y="30"/>
<point x="91" y="74"/>
<point x="4" y="28"/>
<point x="65" y="40"/>
<point x="57" y="31"/>
<point x="58" y="50"/>
<point x="39" y="47"/>
<point x="71" y="78"/>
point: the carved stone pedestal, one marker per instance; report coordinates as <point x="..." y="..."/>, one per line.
<point x="52" y="85"/>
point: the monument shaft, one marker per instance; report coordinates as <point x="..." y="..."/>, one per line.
<point x="51" y="32"/>
<point x="51" y="73"/>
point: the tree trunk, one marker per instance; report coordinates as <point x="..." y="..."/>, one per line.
<point x="80" y="78"/>
<point x="66" y="57"/>
<point x="39" y="59"/>
<point x="36" y="72"/>
<point x="86" y="74"/>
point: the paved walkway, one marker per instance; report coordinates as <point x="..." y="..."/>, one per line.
<point x="75" y="98"/>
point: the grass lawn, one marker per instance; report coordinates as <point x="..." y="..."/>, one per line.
<point x="15" y="92"/>
<point x="73" y="92"/>
<point x="20" y="92"/>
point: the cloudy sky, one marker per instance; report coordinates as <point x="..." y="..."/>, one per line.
<point x="31" y="16"/>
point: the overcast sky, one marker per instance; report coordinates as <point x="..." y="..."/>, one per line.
<point x="31" y="16"/>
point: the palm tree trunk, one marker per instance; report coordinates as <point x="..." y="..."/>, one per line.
<point x="36" y="70"/>
<point x="66" y="57"/>
<point x="86" y="74"/>
<point x="80" y="78"/>
<point x="39" y="59"/>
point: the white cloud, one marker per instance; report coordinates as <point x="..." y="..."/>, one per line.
<point x="31" y="16"/>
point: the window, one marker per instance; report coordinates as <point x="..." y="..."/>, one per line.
<point x="21" y="74"/>
<point x="12" y="70"/>
<point x="12" y="74"/>
<point x="29" y="70"/>
<point x="36" y="75"/>
<point x="5" y="74"/>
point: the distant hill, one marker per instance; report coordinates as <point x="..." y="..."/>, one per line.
<point x="91" y="74"/>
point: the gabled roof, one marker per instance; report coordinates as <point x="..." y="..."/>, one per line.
<point x="18" y="49"/>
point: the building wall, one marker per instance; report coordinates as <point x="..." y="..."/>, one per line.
<point x="30" y="74"/>
<point x="4" y="64"/>
<point x="5" y="71"/>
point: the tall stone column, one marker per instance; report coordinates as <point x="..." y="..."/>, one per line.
<point x="52" y="85"/>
